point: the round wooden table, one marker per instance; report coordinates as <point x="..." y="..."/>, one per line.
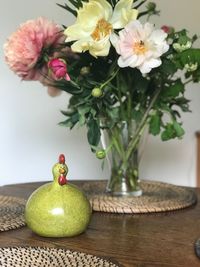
<point x="151" y="240"/>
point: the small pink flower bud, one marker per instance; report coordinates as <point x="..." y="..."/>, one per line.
<point x="167" y="29"/>
<point x="58" y="68"/>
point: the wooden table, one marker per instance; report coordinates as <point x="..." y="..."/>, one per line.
<point x="164" y="239"/>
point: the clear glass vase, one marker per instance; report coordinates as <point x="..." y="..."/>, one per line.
<point x="123" y="162"/>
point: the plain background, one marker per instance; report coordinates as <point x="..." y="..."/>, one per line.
<point x="31" y="140"/>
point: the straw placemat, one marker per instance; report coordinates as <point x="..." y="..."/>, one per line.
<point x="156" y="197"/>
<point x="50" y="257"/>
<point x="11" y="213"/>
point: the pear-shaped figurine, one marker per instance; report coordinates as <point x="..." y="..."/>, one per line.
<point x="58" y="209"/>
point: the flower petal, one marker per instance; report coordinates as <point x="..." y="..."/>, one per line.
<point x="80" y="46"/>
<point x="106" y="9"/>
<point x="114" y="39"/>
<point x="123" y="14"/>
<point x="75" y="32"/>
<point x="158" y="36"/>
<point x="150" y="64"/>
<point x="100" y="49"/>
<point x="89" y="14"/>
<point x="127" y="62"/>
<point x="95" y="48"/>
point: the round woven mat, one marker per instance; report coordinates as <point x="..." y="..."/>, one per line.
<point x="11" y="212"/>
<point x="156" y="197"/>
<point x="49" y="257"/>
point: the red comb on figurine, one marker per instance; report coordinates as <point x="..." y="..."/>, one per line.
<point x="62" y="159"/>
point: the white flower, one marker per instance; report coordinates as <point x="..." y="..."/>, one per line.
<point x="182" y="47"/>
<point x="190" y="67"/>
<point x="140" y="46"/>
<point x="95" y="24"/>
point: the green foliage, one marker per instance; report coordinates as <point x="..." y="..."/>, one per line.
<point x="75" y="4"/>
<point x="93" y="133"/>
<point x="172" y="130"/>
<point x="174" y="90"/>
<point x="103" y="95"/>
<point x="155" y="123"/>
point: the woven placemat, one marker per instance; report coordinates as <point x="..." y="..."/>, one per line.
<point x="156" y="197"/>
<point x="11" y="213"/>
<point x="50" y="257"/>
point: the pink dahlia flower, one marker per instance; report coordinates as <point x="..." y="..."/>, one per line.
<point x="140" y="46"/>
<point x="24" y="47"/>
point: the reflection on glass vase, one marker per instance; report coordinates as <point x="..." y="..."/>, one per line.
<point x="122" y="161"/>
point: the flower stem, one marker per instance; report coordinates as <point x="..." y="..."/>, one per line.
<point x="110" y="79"/>
<point x="122" y="110"/>
<point x="135" y="139"/>
<point x="142" y="124"/>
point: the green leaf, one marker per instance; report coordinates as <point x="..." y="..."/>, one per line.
<point x="93" y="133"/>
<point x="183" y="39"/>
<point x="191" y="55"/>
<point x="183" y="103"/>
<point x="154" y="124"/>
<point x="174" y="90"/>
<point x="75" y="3"/>
<point x="93" y="112"/>
<point x="172" y="130"/>
<point x="168" y="133"/>
<point x="66" y="123"/>
<point x="178" y="129"/>
<point x="139" y="82"/>
<point x="83" y="110"/>
<point x="137" y="114"/>
<point x="67" y="113"/>
<point x="68" y="87"/>
<point x="113" y="114"/>
<point x="194" y="38"/>
<point x="168" y="67"/>
<point x="72" y="11"/>
<point x="164" y="107"/>
<point x="74" y="118"/>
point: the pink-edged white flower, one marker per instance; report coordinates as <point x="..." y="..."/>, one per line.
<point x="24" y="47"/>
<point x="140" y="46"/>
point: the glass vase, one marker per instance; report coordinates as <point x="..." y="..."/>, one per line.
<point x="123" y="162"/>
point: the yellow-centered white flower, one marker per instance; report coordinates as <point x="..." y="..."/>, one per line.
<point x="141" y="46"/>
<point x="95" y="25"/>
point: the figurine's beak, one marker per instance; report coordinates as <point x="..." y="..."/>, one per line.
<point x="62" y="171"/>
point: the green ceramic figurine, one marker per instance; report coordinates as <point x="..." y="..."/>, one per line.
<point x="58" y="209"/>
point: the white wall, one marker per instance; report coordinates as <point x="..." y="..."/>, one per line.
<point x="30" y="139"/>
<point x="175" y="161"/>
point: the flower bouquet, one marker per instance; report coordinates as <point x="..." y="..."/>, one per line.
<point x="123" y="75"/>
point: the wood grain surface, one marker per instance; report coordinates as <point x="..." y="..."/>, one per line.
<point x="151" y="240"/>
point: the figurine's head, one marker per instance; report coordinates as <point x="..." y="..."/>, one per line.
<point x="60" y="171"/>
